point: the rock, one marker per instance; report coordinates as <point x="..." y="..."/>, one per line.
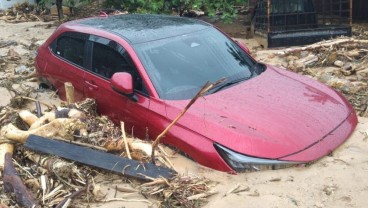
<point x="339" y="63"/>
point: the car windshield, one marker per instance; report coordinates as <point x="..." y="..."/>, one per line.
<point x="179" y="66"/>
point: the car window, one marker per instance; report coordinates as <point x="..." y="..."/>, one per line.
<point x="106" y="61"/>
<point x="70" y="48"/>
<point x="179" y="66"/>
<point x="108" y="57"/>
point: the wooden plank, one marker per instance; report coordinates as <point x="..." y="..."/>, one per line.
<point x="95" y="158"/>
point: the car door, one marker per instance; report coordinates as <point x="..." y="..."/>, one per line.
<point x="69" y="62"/>
<point x="106" y="58"/>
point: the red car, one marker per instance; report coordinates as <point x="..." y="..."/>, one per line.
<point x="144" y="69"/>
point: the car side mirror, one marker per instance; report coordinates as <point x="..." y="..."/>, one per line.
<point x="122" y="82"/>
<point x="243" y="46"/>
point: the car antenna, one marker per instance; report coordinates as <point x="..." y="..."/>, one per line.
<point x="103" y="14"/>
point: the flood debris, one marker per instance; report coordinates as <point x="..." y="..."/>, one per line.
<point x="7" y="43"/>
<point x="53" y="180"/>
<point x="24" y="12"/>
<point x="340" y="63"/>
<point x="182" y="191"/>
<point x="13" y="184"/>
<point x="99" y="159"/>
<point x="57" y="182"/>
<point x="237" y="189"/>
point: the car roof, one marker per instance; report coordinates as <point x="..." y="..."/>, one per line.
<point x="139" y="28"/>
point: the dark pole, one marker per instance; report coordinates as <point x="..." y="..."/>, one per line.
<point x="59" y="6"/>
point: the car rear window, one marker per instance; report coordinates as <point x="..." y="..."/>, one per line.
<point x="71" y="49"/>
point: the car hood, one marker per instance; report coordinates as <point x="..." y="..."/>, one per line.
<point x="269" y="116"/>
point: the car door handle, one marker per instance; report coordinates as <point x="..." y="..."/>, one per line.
<point x="91" y="85"/>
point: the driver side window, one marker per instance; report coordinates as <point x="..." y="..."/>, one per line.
<point x="108" y="57"/>
<point x="106" y="61"/>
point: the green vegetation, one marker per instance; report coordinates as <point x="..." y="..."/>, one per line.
<point x="225" y="8"/>
<point x="181" y="7"/>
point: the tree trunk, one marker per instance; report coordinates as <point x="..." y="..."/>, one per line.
<point x="59" y="6"/>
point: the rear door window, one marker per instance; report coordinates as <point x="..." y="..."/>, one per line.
<point x="71" y="47"/>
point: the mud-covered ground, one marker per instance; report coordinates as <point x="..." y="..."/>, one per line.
<point x="338" y="180"/>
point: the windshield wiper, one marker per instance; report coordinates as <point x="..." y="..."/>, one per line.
<point x="227" y="84"/>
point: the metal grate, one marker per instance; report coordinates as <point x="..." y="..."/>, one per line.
<point x="284" y="15"/>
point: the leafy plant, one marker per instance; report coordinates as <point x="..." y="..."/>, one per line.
<point x="225" y="8"/>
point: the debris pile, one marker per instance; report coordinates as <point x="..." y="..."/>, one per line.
<point x="339" y="63"/>
<point x="51" y="181"/>
<point x="21" y="13"/>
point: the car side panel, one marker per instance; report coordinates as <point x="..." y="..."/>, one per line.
<point x="196" y="146"/>
<point x="58" y="71"/>
<point x="117" y="106"/>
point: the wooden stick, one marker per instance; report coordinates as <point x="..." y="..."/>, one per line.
<point x="125" y="140"/>
<point x="69" y="91"/>
<point x="204" y="89"/>
<point x="203" y="195"/>
<point x="32" y="99"/>
<point x="324" y="44"/>
<point x="74" y="195"/>
<point x="5" y="148"/>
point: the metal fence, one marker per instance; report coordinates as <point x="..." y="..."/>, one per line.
<point x="281" y="15"/>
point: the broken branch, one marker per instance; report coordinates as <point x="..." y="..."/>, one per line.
<point x="203" y="90"/>
<point x="324" y="44"/>
<point x="74" y="195"/>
